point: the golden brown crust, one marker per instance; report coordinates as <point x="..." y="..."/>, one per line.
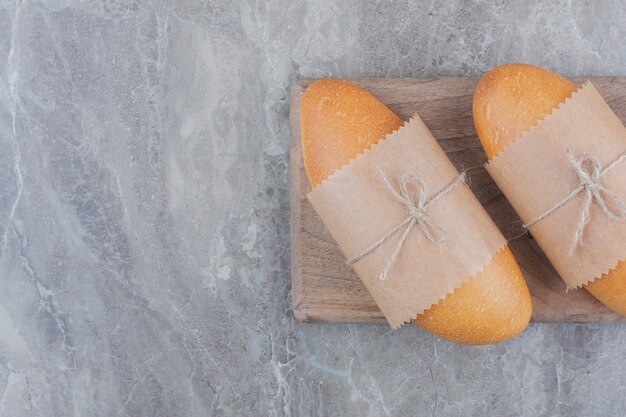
<point x="339" y="120"/>
<point x="509" y="99"/>
<point x="491" y="307"/>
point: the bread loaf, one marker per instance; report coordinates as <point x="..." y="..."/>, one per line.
<point x="340" y="120"/>
<point x="509" y="100"/>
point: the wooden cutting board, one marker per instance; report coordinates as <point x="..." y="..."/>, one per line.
<point x="325" y="290"/>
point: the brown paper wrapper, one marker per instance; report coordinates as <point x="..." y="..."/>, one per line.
<point x="534" y="174"/>
<point x="358" y="210"/>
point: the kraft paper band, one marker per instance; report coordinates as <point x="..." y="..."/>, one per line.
<point x="535" y="174"/>
<point x="357" y="208"/>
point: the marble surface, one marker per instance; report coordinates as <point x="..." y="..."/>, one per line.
<point x="144" y="212"/>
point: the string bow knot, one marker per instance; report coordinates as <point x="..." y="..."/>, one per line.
<point x="416" y="215"/>
<point x="589" y="172"/>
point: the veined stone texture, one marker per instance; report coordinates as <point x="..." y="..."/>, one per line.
<point x="144" y="211"/>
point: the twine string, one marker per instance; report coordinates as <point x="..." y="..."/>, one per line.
<point x="588" y="171"/>
<point x="416" y="215"/>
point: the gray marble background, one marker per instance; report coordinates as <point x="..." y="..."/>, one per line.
<point x="144" y="212"/>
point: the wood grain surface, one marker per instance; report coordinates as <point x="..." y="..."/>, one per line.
<point x="325" y="290"/>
